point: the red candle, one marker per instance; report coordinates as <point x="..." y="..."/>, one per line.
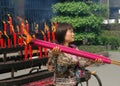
<point x="9" y="42"/>
<point x="40" y="49"/>
<point x="25" y="52"/>
<point x="4" y="43"/>
<point x="53" y="32"/>
<point x="18" y="30"/>
<point x="4" y="26"/>
<point x="14" y="39"/>
<point x="45" y="49"/>
<point x="1" y="42"/>
<point x="48" y="33"/>
<point x="11" y="27"/>
<point x="10" y="19"/>
<point x="45" y="38"/>
<point x="53" y="36"/>
<point x="27" y="26"/>
<point x="20" y="41"/>
<point x="22" y="26"/>
<point x="30" y="51"/>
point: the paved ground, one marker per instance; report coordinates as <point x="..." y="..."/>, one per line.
<point x="109" y="74"/>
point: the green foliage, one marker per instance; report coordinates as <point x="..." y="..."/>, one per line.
<point x="88" y="23"/>
<point x="82" y="36"/>
<point x="71" y="8"/>
<point x="110" y="38"/>
<point x="111" y="33"/>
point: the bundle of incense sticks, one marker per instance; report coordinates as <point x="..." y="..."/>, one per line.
<point x="75" y="52"/>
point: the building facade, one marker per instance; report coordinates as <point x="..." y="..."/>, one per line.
<point x="35" y="11"/>
<point x="114" y="9"/>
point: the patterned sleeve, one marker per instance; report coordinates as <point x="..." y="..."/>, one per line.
<point x="83" y="62"/>
<point x="50" y="58"/>
<point x="61" y="59"/>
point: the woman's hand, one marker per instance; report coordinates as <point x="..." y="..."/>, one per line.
<point x="56" y="50"/>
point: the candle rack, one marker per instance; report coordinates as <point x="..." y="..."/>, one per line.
<point x="12" y="60"/>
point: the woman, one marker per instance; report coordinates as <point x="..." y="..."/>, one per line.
<point x="66" y="66"/>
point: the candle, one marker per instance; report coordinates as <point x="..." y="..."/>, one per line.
<point x="19" y="41"/>
<point x="10" y="19"/>
<point x="48" y="34"/>
<point x="9" y="42"/>
<point x="53" y="33"/>
<point x="18" y="29"/>
<point x="14" y="39"/>
<point x="25" y="52"/>
<point x="1" y="40"/>
<point x="53" y="36"/>
<point x="4" y="26"/>
<point x="10" y="24"/>
<point x="27" y="26"/>
<point x="40" y="49"/>
<point x="45" y="27"/>
<point x="22" y="26"/>
<point x="30" y="51"/>
<point x="4" y="43"/>
<point x="1" y="43"/>
<point x="45" y="49"/>
<point x="11" y="28"/>
<point x="44" y="38"/>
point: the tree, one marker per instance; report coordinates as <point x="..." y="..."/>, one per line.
<point x="85" y="17"/>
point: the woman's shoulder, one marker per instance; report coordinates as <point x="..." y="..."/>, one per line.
<point x="73" y="46"/>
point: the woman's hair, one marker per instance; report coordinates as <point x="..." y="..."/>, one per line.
<point x="61" y="31"/>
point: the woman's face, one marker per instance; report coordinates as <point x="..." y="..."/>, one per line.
<point x="69" y="37"/>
